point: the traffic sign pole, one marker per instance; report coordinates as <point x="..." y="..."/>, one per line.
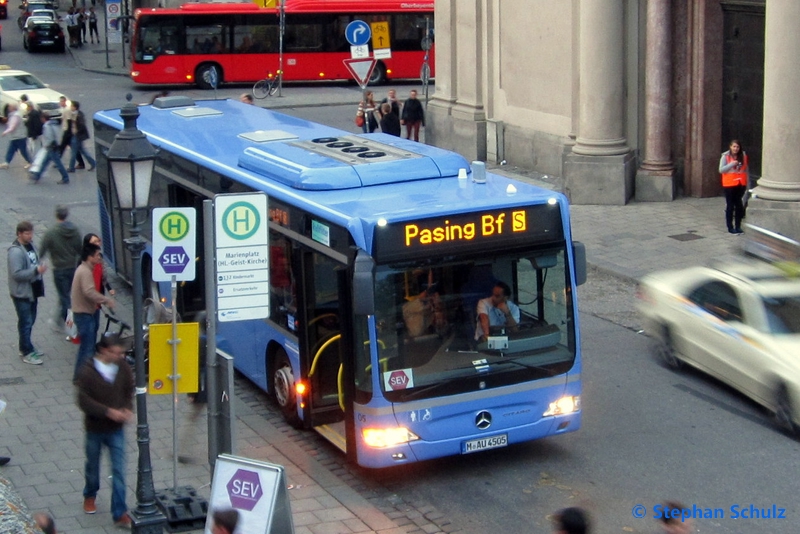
<point x="175" y="376"/>
<point x="211" y="333"/>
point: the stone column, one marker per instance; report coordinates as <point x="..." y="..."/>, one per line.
<point x="777" y="202"/>
<point x="656" y="176"/>
<point x="600" y="169"/>
<point x="456" y="118"/>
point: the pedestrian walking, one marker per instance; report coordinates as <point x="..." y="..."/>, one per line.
<point x="734" y="166"/>
<point x="571" y="521"/>
<point x="17" y="134"/>
<point x="413" y="116"/>
<point x="51" y="133"/>
<point x="66" y="129"/>
<point x="85" y="301"/>
<point x="105" y="396"/>
<point x="63" y="244"/>
<point x="79" y="133"/>
<point x="98" y="274"/>
<point x="246" y="98"/>
<point x="33" y="123"/>
<point x="26" y="286"/>
<point x="93" y="25"/>
<point x="390" y="123"/>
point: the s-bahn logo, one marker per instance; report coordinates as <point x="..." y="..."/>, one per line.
<point x="241" y="220"/>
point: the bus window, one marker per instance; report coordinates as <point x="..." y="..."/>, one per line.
<point x="204" y="38"/>
<point x="427" y="321"/>
<point x="283" y="305"/>
<point x="408" y="31"/>
<point x="155" y="38"/>
<point x="305" y="34"/>
<point x="255" y="39"/>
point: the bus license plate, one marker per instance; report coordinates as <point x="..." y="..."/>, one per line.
<point x="483" y="444"/>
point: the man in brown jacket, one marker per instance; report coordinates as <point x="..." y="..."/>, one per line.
<point x="105" y="396"/>
<point x="86" y="301"/>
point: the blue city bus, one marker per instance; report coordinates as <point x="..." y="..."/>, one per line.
<point x="379" y="254"/>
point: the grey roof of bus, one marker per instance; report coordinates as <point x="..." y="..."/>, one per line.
<point x="218" y="144"/>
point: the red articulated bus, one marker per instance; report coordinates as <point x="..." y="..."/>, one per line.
<point x="240" y="42"/>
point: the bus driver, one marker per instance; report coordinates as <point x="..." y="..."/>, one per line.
<point x="496" y="310"/>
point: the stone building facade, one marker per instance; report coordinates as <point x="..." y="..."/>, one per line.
<point x="624" y="98"/>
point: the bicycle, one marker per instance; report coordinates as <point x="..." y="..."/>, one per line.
<point x="268" y="86"/>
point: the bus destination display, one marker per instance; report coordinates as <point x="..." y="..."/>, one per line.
<point x="487" y="230"/>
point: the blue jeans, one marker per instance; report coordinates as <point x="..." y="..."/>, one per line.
<point x="63" y="280"/>
<point x="115" y="441"/>
<point x="26" y="316"/>
<point x="18" y="144"/>
<point x="55" y="157"/>
<point x="76" y="146"/>
<point x="85" y="322"/>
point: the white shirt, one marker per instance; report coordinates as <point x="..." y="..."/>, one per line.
<point x="496" y="316"/>
<point x="107" y="370"/>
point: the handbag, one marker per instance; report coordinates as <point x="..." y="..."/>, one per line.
<point x="359" y="120"/>
<point x="38" y="160"/>
<point x="71" y="329"/>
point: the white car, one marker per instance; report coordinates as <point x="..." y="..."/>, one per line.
<point x="15" y="83"/>
<point x="739" y="323"/>
<point x="46" y="13"/>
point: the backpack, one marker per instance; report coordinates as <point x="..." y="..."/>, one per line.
<point x="34" y="123"/>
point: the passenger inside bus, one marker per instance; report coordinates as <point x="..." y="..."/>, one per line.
<point x="424" y="313"/>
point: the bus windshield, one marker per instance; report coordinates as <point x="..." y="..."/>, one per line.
<point x="430" y="338"/>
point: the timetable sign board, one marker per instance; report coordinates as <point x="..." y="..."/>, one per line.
<point x="242" y="256"/>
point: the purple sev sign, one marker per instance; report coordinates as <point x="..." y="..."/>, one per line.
<point x="255" y="488"/>
<point x="244" y="489"/>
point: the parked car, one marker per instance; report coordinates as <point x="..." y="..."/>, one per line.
<point x="15" y="83"/>
<point x="28" y="7"/>
<point x="43" y="33"/>
<point x="738" y="322"/>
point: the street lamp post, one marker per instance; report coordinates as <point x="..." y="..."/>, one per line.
<point x="131" y="158"/>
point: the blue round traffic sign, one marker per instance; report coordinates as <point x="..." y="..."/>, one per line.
<point x="358" y="33"/>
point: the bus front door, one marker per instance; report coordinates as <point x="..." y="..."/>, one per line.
<point x="326" y="338"/>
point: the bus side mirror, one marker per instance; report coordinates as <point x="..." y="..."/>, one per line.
<point x="579" y="257"/>
<point x="364" y="284"/>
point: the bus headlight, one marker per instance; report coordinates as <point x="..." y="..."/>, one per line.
<point x="563" y="406"/>
<point x="380" y="438"/>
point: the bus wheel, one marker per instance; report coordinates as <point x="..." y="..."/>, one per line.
<point x="283" y="387"/>
<point x="378" y="76"/>
<point x="205" y="73"/>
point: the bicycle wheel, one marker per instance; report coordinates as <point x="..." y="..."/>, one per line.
<point x="262" y="89"/>
<point x="273" y="87"/>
